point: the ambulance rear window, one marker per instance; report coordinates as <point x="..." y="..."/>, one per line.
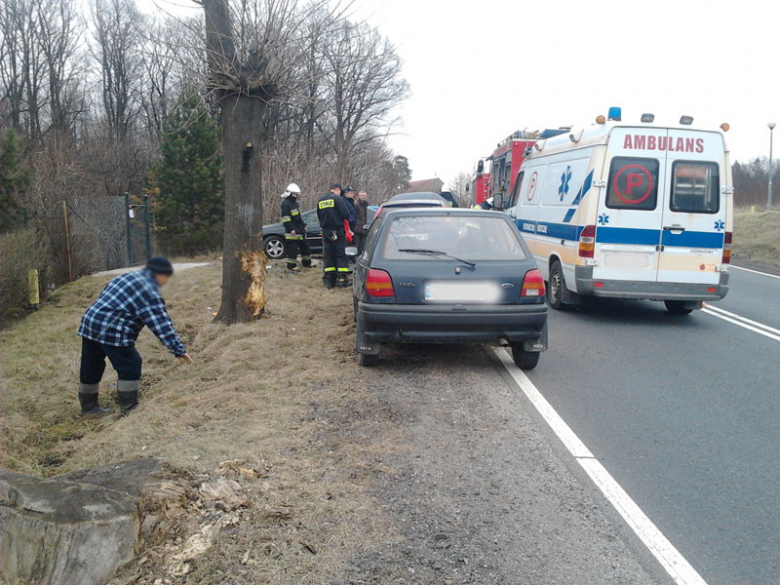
<point x="633" y="183"/>
<point x="696" y="187"/>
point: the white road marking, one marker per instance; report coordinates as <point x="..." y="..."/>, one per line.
<point x="743" y="322"/>
<point x="664" y="551"/>
<point x="755" y="271"/>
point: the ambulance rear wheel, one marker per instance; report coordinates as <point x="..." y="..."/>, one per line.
<point x="678" y="307"/>
<point x="555" y="285"/>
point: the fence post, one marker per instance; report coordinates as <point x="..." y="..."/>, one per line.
<point x="127" y="229"/>
<point x="67" y="239"/>
<point x="147" y="221"/>
<point x="33" y="287"/>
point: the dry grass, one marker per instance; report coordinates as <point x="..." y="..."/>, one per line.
<point x="757" y="237"/>
<point x="282" y="393"/>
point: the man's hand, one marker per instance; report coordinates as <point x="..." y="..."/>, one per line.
<point x="292" y="232"/>
<point x="186" y="357"/>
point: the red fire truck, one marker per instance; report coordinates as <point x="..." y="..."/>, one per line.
<point x="505" y="163"/>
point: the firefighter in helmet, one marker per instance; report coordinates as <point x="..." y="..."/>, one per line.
<point x="294" y="230"/>
<point x="332" y="212"/>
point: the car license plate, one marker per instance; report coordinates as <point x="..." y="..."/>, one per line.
<point x="462" y="292"/>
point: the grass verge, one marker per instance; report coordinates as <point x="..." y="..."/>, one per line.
<point x="283" y="394"/>
<point x="757" y="238"/>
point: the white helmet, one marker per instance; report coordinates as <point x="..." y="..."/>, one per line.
<point x="291" y="188"/>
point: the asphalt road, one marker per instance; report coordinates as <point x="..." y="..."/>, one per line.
<point x="684" y="412"/>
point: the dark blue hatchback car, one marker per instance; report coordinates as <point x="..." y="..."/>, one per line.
<point x="448" y="276"/>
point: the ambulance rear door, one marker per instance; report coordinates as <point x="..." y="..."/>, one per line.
<point x="630" y="208"/>
<point x="694" y="208"/>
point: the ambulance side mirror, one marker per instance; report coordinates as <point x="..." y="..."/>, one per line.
<point x="480" y="167"/>
<point x="498" y="201"/>
<point x="351" y="251"/>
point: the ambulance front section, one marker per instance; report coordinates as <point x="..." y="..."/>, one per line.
<point x="662" y="229"/>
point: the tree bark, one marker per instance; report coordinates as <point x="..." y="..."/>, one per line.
<point x="243" y="260"/>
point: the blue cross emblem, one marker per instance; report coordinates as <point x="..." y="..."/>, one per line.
<point x="563" y="190"/>
<point x="603" y="219"/>
<point x="720" y="225"/>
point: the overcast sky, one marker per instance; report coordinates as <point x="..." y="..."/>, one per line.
<point x="479" y="70"/>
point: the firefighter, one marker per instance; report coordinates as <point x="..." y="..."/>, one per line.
<point x="294" y="230"/>
<point x="449" y="198"/>
<point x="332" y="212"/>
<point x="111" y="326"/>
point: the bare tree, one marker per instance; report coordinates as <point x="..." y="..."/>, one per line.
<point x="117" y="38"/>
<point x="365" y="86"/>
<point x="252" y="49"/>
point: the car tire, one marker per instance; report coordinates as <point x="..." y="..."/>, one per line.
<point x="555" y="286"/>
<point x="367" y="360"/>
<point x="677" y="308"/>
<point x="275" y="247"/>
<point x="525" y="360"/>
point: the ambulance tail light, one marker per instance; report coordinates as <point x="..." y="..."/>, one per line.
<point x="726" y="249"/>
<point x="533" y="285"/>
<point x="379" y="285"/>
<point x="587" y="241"/>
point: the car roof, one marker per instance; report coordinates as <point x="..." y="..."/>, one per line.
<point x="443" y="211"/>
<point x="423" y="195"/>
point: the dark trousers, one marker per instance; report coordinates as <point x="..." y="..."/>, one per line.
<point x="125" y="360"/>
<point x="334" y="257"/>
<point x="360" y="242"/>
<point x="296" y="245"/>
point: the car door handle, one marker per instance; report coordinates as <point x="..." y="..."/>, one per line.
<point x="674" y="228"/>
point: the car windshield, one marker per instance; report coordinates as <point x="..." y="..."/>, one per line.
<point x="469" y="237"/>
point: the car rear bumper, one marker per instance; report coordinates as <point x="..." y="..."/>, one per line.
<point x="660" y="291"/>
<point x="379" y="324"/>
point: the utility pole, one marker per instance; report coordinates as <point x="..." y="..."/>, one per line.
<point x="127" y="230"/>
<point x="771" y="127"/>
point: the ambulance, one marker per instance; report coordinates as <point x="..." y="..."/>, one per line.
<point x="628" y="210"/>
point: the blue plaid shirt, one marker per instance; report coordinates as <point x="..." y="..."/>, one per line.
<point x="129" y="302"/>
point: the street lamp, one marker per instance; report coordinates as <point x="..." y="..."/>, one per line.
<point x="771" y="127"/>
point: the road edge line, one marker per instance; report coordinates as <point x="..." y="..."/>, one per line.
<point x="754" y="271"/>
<point x="677" y="567"/>
<point x="709" y="311"/>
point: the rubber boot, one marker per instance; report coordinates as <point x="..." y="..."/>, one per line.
<point x="306" y="262"/>
<point x="88" y="398"/>
<point x="343" y="282"/>
<point x="127" y="392"/>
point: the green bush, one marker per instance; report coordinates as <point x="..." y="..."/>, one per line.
<point x="19" y="251"/>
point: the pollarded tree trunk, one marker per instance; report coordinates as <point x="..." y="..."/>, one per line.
<point x="243" y="262"/>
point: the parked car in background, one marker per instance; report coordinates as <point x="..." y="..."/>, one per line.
<point x="448" y="276"/>
<point x="412" y="200"/>
<point x="273" y="236"/>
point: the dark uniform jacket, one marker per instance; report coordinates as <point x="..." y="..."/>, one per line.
<point x="362" y="216"/>
<point x="352" y="211"/>
<point x="291" y="216"/>
<point x="332" y="210"/>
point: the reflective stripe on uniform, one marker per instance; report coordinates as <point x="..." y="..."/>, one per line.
<point x="286" y="218"/>
<point x="295" y="212"/>
<point x="327" y="203"/>
<point x="343" y="269"/>
<point x="330" y="269"/>
<point x="293" y="237"/>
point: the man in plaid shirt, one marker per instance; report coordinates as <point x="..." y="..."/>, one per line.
<point x="111" y="326"/>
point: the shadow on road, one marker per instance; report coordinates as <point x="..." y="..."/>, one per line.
<point x="619" y="311"/>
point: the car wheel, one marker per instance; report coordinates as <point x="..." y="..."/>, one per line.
<point x="367" y="360"/>
<point x="525" y="360"/>
<point x="275" y="247"/>
<point x="555" y="286"/>
<point x="677" y="307"/>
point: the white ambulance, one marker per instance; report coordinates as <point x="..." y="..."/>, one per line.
<point x="628" y="210"/>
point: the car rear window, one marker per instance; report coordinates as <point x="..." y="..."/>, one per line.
<point x="633" y="183"/>
<point x="695" y="187"/>
<point x="466" y="236"/>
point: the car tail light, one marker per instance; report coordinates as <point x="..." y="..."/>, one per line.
<point x="587" y="241"/>
<point x="726" y="248"/>
<point x="533" y="284"/>
<point x="379" y="284"/>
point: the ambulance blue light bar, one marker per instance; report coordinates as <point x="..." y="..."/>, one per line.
<point x="615" y="114"/>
